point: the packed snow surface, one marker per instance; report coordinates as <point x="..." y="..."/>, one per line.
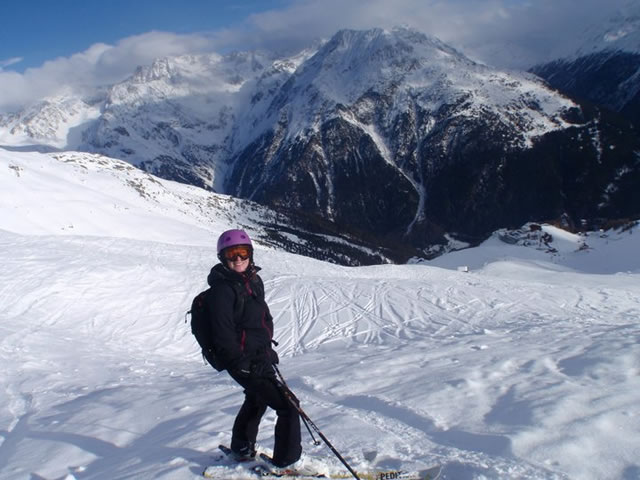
<point x="525" y="367"/>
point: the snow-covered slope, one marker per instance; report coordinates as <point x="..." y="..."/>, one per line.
<point x="85" y="194"/>
<point x="409" y="67"/>
<point x="620" y="32"/>
<point x="553" y="249"/>
<point x="54" y="123"/>
<point x="173" y="118"/>
<point x="514" y="370"/>
<point x="438" y="143"/>
<point x="75" y="193"/>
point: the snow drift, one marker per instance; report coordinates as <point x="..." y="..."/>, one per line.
<point x="524" y="367"/>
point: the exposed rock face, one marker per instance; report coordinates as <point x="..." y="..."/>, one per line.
<point x="417" y="140"/>
<point x="390" y="136"/>
<point x="609" y="78"/>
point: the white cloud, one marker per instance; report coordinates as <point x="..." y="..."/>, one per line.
<point x="506" y="33"/>
<point x="9" y="61"/>
<point x="143" y="49"/>
<point x="100" y="64"/>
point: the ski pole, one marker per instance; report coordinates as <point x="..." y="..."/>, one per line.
<point x="313" y="438"/>
<point x="292" y="399"/>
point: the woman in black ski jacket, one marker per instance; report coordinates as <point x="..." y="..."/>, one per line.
<point x="243" y="342"/>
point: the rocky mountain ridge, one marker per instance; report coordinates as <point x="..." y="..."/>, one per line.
<point x="391" y="136"/>
<point x="395" y="134"/>
<point x="605" y="67"/>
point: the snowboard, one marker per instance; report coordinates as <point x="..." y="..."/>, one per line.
<point x="259" y="468"/>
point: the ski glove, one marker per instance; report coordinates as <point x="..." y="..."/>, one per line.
<point x="273" y="356"/>
<point x="262" y="370"/>
<point x="242" y="370"/>
<point x="254" y="370"/>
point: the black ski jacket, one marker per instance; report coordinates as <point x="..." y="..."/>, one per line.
<point x="242" y="335"/>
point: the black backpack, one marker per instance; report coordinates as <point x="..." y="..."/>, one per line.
<point x="201" y="324"/>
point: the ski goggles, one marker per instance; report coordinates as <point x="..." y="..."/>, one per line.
<point x="242" y="251"/>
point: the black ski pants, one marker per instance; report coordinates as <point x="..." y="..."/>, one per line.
<point x="260" y="393"/>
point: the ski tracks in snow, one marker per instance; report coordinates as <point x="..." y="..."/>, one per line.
<point x="311" y="312"/>
<point x="399" y="366"/>
<point x="464" y="330"/>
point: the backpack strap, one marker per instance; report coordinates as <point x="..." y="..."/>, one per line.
<point x="240" y="295"/>
<point x="238" y="304"/>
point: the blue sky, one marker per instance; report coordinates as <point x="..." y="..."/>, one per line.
<point x="47" y="46"/>
<point x="39" y="30"/>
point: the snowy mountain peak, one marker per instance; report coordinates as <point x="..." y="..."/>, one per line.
<point x="159" y="69"/>
<point x="405" y="66"/>
<point x="374" y="55"/>
<point x="620" y="33"/>
<point x="404" y="113"/>
<point x="195" y="109"/>
<point x="603" y="64"/>
<point x="55" y="122"/>
<point x="399" y="38"/>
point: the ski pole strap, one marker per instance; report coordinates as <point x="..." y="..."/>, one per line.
<point x="313" y="438"/>
<point x="292" y="399"/>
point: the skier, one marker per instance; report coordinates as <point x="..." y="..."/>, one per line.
<point x="243" y="341"/>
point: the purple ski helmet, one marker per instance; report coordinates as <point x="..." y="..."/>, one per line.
<point x="231" y="238"/>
